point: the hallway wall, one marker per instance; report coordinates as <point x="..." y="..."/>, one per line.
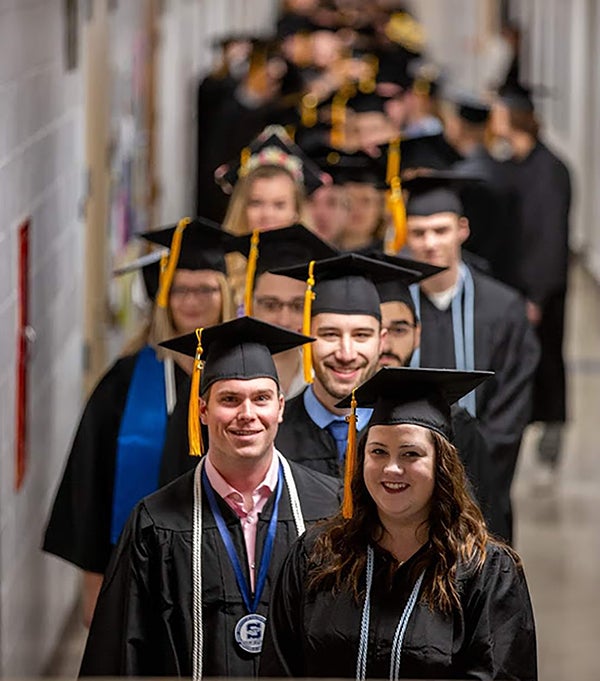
<point x="41" y="176"/>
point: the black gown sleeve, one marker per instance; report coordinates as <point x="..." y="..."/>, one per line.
<point x="282" y="653"/>
<point x="78" y="529"/>
<point x="500" y="639"/>
<point x="122" y="639"/>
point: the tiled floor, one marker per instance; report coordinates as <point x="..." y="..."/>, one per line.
<point x="558" y="525"/>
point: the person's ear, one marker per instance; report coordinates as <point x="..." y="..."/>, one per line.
<point x="417" y="336"/>
<point x="202" y="409"/>
<point x="281" y="407"/>
<point x="463" y="229"/>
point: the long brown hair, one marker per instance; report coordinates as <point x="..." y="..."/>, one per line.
<point x="457" y="535"/>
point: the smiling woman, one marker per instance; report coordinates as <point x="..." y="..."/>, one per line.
<point x="408" y="562"/>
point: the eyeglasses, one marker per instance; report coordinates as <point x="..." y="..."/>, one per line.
<point x="195" y="291"/>
<point x="274" y="305"/>
<point x="400" y="330"/>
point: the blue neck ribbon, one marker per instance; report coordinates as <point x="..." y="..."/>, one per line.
<point x="265" y="559"/>
<point x="463" y="329"/>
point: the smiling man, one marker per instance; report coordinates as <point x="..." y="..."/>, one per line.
<point x="188" y="587"/>
<point x="346" y="323"/>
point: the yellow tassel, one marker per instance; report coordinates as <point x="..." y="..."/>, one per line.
<point x="245" y="154"/>
<point x="393" y="161"/>
<point x="338" y="120"/>
<point x="194" y="432"/>
<point x="309" y="296"/>
<point x="398" y="210"/>
<point x="367" y="85"/>
<point x="168" y="271"/>
<point x="308" y="111"/>
<point x="291" y="131"/>
<point x="348" y="503"/>
<point x="250" y="272"/>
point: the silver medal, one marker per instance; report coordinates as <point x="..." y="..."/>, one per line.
<point x="249" y="632"/>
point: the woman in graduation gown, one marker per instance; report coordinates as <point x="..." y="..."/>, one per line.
<point x="405" y="582"/>
<point x="117" y="455"/>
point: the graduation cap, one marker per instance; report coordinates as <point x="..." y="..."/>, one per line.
<point x="345" y="284"/>
<point x="427" y="151"/>
<point x="240" y="349"/>
<point x="149" y="265"/>
<point x="420" y="397"/>
<point x="194" y="244"/>
<point x="357" y="166"/>
<point x="517" y="96"/>
<point x="366" y="103"/>
<point x="278" y="248"/>
<point x="396" y="290"/>
<point x="436" y="192"/>
<point x="273" y="146"/>
<point x="393" y="70"/>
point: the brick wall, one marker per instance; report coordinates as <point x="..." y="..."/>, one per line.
<point x="41" y="167"/>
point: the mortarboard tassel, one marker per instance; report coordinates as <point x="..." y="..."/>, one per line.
<point x="367" y="85"/>
<point x="338" y="118"/>
<point x="348" y="503"/>
<point x="168" y="272"/>
<point x="309" y="296"/>
<point x="308" y="110"/>
<point x="251" y="272"/>
<point x="395" y="202"/>
<point x="245" y="154"/>
<point x="194" y="432"/>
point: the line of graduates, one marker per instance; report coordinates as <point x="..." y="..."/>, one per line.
<point x="308" y="406"/>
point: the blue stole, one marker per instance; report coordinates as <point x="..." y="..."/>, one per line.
<point x="463" y="327"/>
<point x="141" y="439"/>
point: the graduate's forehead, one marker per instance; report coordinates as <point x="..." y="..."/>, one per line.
<point x="242" y="387"/>
<point x="433" y="220"/>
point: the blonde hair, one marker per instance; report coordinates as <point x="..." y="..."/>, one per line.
<point x="160" y="326"/>
<point x="236" y="222"/>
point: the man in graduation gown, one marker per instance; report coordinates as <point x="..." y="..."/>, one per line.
<point x="188" y="587"/>
<point x="470" y="321"/>
<point x="542" y="185"/>
<point x="345" y="319"/>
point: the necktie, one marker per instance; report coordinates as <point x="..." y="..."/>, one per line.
<point x="339" y="431"/>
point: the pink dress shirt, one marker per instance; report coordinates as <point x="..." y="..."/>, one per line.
<point x="248" y="516"/>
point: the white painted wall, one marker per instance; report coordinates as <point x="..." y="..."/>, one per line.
<point x="41" y="157"/>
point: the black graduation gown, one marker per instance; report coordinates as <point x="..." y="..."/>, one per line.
<point x="319" y="451"/>
<point x="492" y="636"/>
<point x="543" y="188"/>
<point x="142" y="625"/>
<point x="505" y="344"/>
<point x="79" y="525"/>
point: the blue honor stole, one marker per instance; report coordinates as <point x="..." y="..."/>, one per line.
<point x="141" y="439"/>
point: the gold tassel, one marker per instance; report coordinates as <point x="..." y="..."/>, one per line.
<point x="393" y="161"/>
<point x="348" y="503"/>
<point x="309" y="296"/>
<point x="398" y="210"/>
<point x="194" y="431"/>
<point x="367" y="85"/>
<point x="338" y="120"/>
<point x="168" y="271"/>
<point x="244" y="160"/>
<point x="250" y="272"/>
<point x="308" y="111"/>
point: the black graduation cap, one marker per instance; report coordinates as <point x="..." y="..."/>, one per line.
<point x="468" y="105"/>
<point x="427" y="151"/>
<point x="436" y="192"/>
<point x="393" y="70"/>
<point x="283" y="247"/>
<point x="273" y="146"/>
<point x="149" y="265"/>
<point x="346" y="284"/>
<point x="366" y="103"/>
<point x="516" y="96"/>
<point x="396" y="290"/>
<point x="415" y="396"/>
<point x="240" y="348"/>
<point x="358" y="166"/>
<point x="203" y="244"/>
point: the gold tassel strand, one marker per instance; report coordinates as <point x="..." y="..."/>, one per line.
<point x="251" y="272"/>
<point x="309" y="296"/>
<point x="194" y="431"/>
<point x="348" y="503"/>
<point x="168" y="271"/>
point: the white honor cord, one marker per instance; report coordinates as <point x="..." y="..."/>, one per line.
<point x="363" y="645"/>
<point x="197" y="554"/>
<point x="170" y="389"/>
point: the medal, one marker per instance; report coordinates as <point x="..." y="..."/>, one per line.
<point x="249" y="632"/>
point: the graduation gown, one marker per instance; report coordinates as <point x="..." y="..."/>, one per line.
<point x="542" y="186"/>
<point x="506" y="344"/>
<point x="319" y="451"/>
<point x="78" y="529"/>
<point x="142" y="625"/>
<point x="491" y="636"/>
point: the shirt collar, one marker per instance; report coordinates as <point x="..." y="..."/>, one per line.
<point x="322" y="417"/>
<point x="224" y="489"/>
